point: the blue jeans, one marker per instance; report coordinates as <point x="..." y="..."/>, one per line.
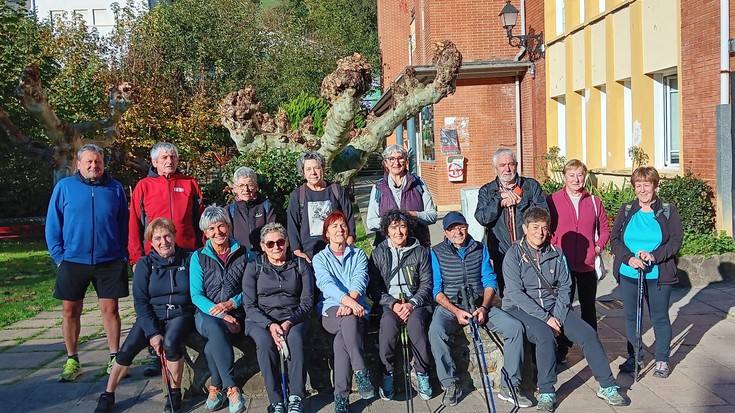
<point x="657" y="297"/>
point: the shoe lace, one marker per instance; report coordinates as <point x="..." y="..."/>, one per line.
<point x="213" y="393"/>
<point x="340" y="403"/>
<point x="610" y="392"/>
<point x="423" y="383"/>
<point x="362" y="379"/>
<point x="70" y="366"/>
<point x="546" y="397"/>
<point x="295" y="405"/>
<point x="234" y="395"/>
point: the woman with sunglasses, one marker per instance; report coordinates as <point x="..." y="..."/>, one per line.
<point x="278" y="295"/>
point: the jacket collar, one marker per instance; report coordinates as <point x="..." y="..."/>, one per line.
<point x="104" y="179"/>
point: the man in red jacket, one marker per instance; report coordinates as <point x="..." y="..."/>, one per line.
<point x="164" y="193"/>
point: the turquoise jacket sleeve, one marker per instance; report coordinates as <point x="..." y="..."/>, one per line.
<point x="489" y="278"/>
<point x="196" y="286"/>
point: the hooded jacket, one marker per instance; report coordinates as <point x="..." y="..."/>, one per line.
<point x="414" y="269"/>
<point x="177" y="198"/>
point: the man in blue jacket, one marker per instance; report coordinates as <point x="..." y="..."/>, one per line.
<point x="86" y="234"/>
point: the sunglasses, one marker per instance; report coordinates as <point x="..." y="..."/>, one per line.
<point x="280" y="242"/>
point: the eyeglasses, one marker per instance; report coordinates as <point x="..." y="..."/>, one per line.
<point x="246" y="186"/>
<point x="394" y="159"/>
<point x="280" y="242"/>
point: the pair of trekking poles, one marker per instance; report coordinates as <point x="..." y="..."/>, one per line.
<point x="639" y="319"/>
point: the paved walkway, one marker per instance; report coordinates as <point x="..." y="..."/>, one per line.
<point x="702" y="380"/>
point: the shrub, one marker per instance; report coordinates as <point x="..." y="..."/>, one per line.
<point x="304" y="105"/>
<point x="709" y="243"/>
<point x="25" y="187"/>
<point x="613" y="197"/>
<point x="693" y="198"/>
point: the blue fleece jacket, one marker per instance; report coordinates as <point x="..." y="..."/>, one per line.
<point x="87" y="221"/>
<point x="336" y="279"/>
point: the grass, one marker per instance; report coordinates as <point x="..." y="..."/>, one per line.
<point x="26" y="280"/>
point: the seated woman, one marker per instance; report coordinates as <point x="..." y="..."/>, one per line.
<point x="278" y="295"/>
<point x="537" y="292"/>
<point x="400" y="281"/>
<point x="165" y="312"/>
<point x="216" y="291"/>
<point x="250" y="211"/>
<point x="341" y="276"/>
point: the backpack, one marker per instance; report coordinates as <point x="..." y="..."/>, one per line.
<point x="259" y="265"/>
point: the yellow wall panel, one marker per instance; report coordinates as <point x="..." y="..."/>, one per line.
<point x="660" y="25"/>
<point x="621" y="43"/>
<point x="579" y="56"/>
<point x="598" y="48"/>
<point x="556" y="61"/>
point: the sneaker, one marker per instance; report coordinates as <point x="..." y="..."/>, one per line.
<point x="505" y="394"/>
<point x="561" y="354"/>
<point x="364" y="386"/>
<point x="612" y="396"/>
<point x="72" y="370"/>
<point x="341" y="405"/>
<point x="276" y="408"/>
<point x="109" y="365"/>
<point x="215" y="399"/>
<point x="424" y="386"/>
<point x="452" y="394"/>
<point x="154" y="364"/>
<point x="386" y="390"/>
<point x="662" y="370"/>
<point x="173" y="403"/>
<point x="237" y="402"/>
<point x="629" y="365"/>
<point x="105" y="403"/>
<point x="546" y="402"/>
<point x="295" y="404"/>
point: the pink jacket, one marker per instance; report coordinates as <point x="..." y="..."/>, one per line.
<point x="576" y="236"/>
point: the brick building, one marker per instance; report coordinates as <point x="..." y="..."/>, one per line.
<point x="499" y="100"/>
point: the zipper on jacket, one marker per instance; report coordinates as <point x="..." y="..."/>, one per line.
<point x="170" y="199"/>
<point x="171" y="274"/>
<point x="92" y="260"/>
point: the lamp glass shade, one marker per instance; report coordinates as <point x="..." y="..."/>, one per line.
<point x="508" y="16"/>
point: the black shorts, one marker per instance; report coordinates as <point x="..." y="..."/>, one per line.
<point x="110" y="280"/>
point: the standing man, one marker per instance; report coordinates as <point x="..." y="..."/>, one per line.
<point x="86" y="231"/>
<point x="456" y="262"/>
<point x="164" y="193"/>
<point x="501" y="204"/>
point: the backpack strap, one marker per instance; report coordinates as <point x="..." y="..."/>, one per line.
<point x="232" y="210"/>
<point x="665" y="209"/>
<point x="266" y="206"/>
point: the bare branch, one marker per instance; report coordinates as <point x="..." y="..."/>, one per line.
<point x="35" y="148"/>
<point x="35" y="101"/>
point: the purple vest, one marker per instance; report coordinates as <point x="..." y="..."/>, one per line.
<point x="411" y="200"/>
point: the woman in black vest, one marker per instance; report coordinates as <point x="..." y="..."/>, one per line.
<point x="250" y="211"/>
<point x="216" y="291"/>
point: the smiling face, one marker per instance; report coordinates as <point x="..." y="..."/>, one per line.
<point x="313" y="172"/>
<point x="275" y="245"/>
<point x="536" y="233"/>
<point x="645" y="191"/>
<point x="456" y="234"/>
<point x="506" y="169"/>
<point x="337" y="232"/>
<point x="574" y="179"/>
<point x="398" y="233"/>
<point x="163" y="242"/>
<point x="218" y="234"/>
<point x="91" y="165"/>
<point x="246" y="188"/>
<point x="396" y="164"/>
<point x="166" y="163"/>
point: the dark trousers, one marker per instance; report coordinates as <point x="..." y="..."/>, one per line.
<point x="586" y="288"/>
<point x="498" y="258"/>
<point x="347" y="347"/>
<point x="418" y="329"/>
<point x="657" y="298"/>
<point x="540" y="334"/>
<point x="270" y="363"/>
<point x="175" y="332"/>
<point x="218" y="349"/>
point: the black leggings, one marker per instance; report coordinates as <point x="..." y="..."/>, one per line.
<point x="175" y="332"/>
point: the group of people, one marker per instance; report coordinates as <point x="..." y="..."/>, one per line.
<point x="253" y="276"/>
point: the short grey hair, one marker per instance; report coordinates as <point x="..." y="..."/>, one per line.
<point x="213" y="214"/>
<point x="272" y="227"/>
<point x="310" y="155"/>
<point x="163" y="147"/>
<point x="503" y="152"/>
<point x="244" y="172"/>
<point x="395" y="148"/>
<point x="92" y="148"/>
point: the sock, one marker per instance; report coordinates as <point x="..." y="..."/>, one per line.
<point x="176" y="392"/>
<point x="112" y="356"/>
<point x="75" y="357"/>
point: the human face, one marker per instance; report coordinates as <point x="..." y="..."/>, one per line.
<point x="574" y="180"/>
<point x="218" y="233"/>
<point x="313" y="172"/>
<point x="398" y="233"/>
<point x="274" y="246"/>
<point x="506" y="169"/>
<point x="337" y="232"/>
<point x="246" y="188"/>
<point x="166" y="163"/>
<point x="456" y="234"/>
<point x="163" y="242"/>
<point x="645" y="191"/>
<point x="91" y="166"/>
<point x="396" y="163"/>
<point x="536" y="233"/>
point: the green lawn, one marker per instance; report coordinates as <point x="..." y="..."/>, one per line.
<point x="26" y="280"/>
<point x="264" y="4"/>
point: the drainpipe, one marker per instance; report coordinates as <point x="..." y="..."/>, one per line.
<point x="519" y="148"/>
<point x="724" y="51"/>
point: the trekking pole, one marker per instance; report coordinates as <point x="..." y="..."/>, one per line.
<point x="167" y="378"/>
<point x="504" y="373"/>
<point x="285" y="355"/>
<point x="406" y="361"/>
<point x="638" y="324"/>
<point x="487" y="386"/>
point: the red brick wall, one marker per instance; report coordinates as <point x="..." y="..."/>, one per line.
<point x="393" y="29"/>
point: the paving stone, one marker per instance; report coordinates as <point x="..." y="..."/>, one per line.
<point x="10" y="375"/>
<point x="38" y="344"/>
<point x="33" y="323"/>
<point x="10" y="335"/>
<point x="26" y="360"/>
<point x="12" y="395"/>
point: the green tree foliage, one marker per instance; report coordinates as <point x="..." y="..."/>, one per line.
<point x="693" y="199"/>
<point x="304" y="105"/>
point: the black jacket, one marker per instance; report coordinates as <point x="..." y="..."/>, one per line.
<point x="161" y="290"/>
<point x="248" y="218"/>
<point x="671" y="238"/>
<point x="416" y="264"/>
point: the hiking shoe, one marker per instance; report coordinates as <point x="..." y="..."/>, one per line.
<point x="662" y="370"/>
<point x="505" y="394"/>
<point x="341" y="405"/>
<point x="173" y="403"/>
<point x="364" y="386"/>
<point x="295" y="404"/>
<point x="386" y="388"/>
<point x="276" y="408"/>
<point x="612" y="396"/>
<point x="215" y="399"/>
<point x="237" y="402"/>
<point x="561" y="354"/>
<point x="105" y="403"/>
<point x="546" y="402"/>
<point x="154" y="364"/>
<point x="72" y="370"/>
<point x="424" y="386"/>
<point x="452" y="394"/>
<point x="629" y="365"/>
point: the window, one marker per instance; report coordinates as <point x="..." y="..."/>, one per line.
<point x="412" y="38"/>
<point x="666" y="113"/>
<point x="628" y="121"/>
<point x="559" y="17"/>
<point x="603" y="126"/>
<point x="561" y="105"/>
<point x="84" y="14"/>
<point x="602" y="5"/>
<point x="581" y="11"/>
<point x="101" y="18"/>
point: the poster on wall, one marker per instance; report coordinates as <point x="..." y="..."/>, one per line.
<point x="450" y="141"/>
<point x="462" y="126"/>
<point x="427" y="133"/>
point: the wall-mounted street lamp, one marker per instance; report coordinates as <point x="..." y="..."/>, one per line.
<point x="532" y="43"/>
